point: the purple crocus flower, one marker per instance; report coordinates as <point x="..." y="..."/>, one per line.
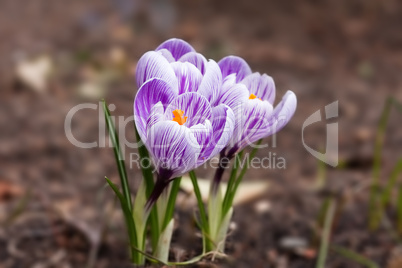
<point x="251" y="97"/>
<point x="173" y="112"/>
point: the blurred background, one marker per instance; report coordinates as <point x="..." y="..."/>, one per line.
<point x="54" y="208"/>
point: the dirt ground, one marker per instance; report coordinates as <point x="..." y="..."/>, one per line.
<point x="55" y="210"/>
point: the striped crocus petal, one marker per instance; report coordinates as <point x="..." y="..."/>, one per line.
<point x="262" y="86"/>
<point x="282" y="113"/>
<point x="188" y="76"/>
<point x="251" y="123"/>
<point x="166" y="53"/>
<point x="232" y="94"/>
<point x="151" y="92"/>
<point x="173" y="148"/>
<point x="203" y="134"/>
<point x="177" y="47"/>
<point x="154" y="65"/>
<point x="223" y="123"/>
<point x="196" y="59"/>
<point x="194" y="106"/>
<point x="234" y="65"/>
<point x="155" y="115"/>
<point x="212" y="82"/>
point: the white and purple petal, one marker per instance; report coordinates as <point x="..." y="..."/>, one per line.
<point x="223" y="123"/>
<point x="262" y="86"/>
<point x="234" y="65"/>
<point x="154" y="65"/>
<point x="195" y="106"/>
<point x="232" y="94"/>
<point x="173" y="148"/>
<point x="177" y="47"/>
<point x="188" y="76"/>
<point x="155" y="115"/>
<point x="282" y="113"/>
<point x="196" y="59"/>
<point x="166" y="53"/>
<point x="151" y="92"/>
<point x="212" y="82"/>
<point x="203" y="134"/>
<point x="252" y="120"/>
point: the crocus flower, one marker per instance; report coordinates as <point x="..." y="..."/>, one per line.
<point x="251" y="96"/>
<point x="174" y="116"/>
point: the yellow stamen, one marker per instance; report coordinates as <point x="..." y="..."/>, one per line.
<point x="178" y="117"/>
<point x="252" y="97"/>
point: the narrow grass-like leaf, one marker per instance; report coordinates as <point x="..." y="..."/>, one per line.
<point x="376" y="206"/>
<point x="323" y="252"/>
<point x="387" y="192"/>
<point x="321" y="220"/>
<point x="321" y="175"/>
<point x="118" y="155"/>
<point x="351" y="255"/>
<point x="162" y="250"/>
<point x="399" y="210"/>
<point x="375" y="212"/>
<point x="203" y="216"/>
<point x="18" y="210"/>
<point x="129" y="221"/>
<point x="171" y="202"/>
<point x="232" y="179"/>
<point x="240" y="178"/>
<point x="146" y="169"/>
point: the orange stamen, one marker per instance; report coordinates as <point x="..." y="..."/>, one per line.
<point x="252" y="97"/>
<point x="178" y="117"/>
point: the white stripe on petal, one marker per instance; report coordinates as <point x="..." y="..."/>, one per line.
<point x="234" y="65"/>
<point x="172" y="147"/>
<point x="195" y="106"/>
<point x="223" y="123"/>
<point x="262" y="86"/>
<point x="154" y="65"/>
<point x="197" y="59"/>
<point x="188" y="76"/>
<point x="152" y="92"/>
<point x="177" y="47"/>
<point x="212" y="82"/>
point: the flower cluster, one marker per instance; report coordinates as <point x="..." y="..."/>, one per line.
<point x="188" y="109"/>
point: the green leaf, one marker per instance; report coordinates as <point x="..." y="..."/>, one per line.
<point x="231" y="182"/>
<point x="139" y="215"/>
<point x="162" y="250"/>
<point x="129" y="221"/>
<point x="323" y="252"/>
<point x="171" y="202"/>
<point x="239" y="179"/>
<point x="223" y="231"/>
<point x="204" y="220"/>
<point x="386" y="194"/>
<point x="399" y="210"/>
<point x="375" y="200"/>
<point x="215" y="212"/>
<point x="118" y="156"/>
<point x="146" y="169"/>
<point x="354" y="257"/>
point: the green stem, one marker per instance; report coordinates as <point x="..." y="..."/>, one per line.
<point x="203" y="214"/>
<point x="240" y="178"/>
<point x="171" y="202"/>
<point x="147" y="174"/>
<point x="374" y="209"/>
<point x="125" y="198"/>
<point x="354" y="256"/>
<point x="323" y="252"/>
